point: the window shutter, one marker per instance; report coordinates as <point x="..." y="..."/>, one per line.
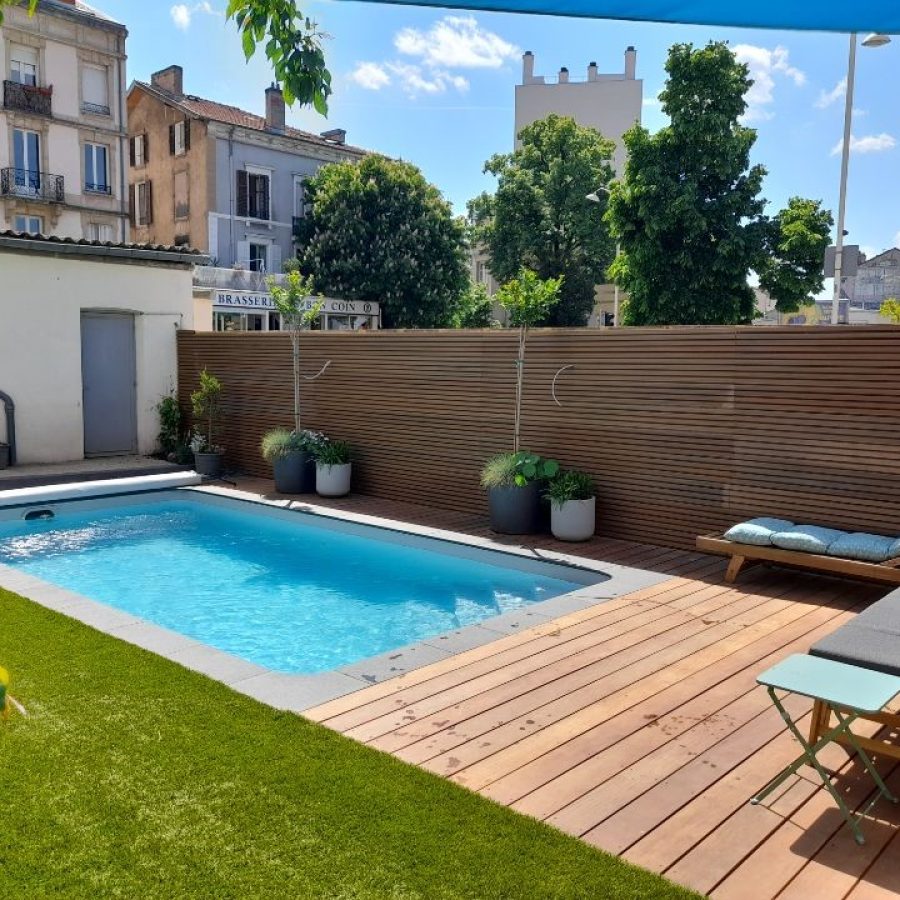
<point x="171" y="140"/>
<point x="149" y="203"/>
<point x="275" y="259"/>
<point x="187" y="135"/>
<point x="243" y="191"/>
<point x="146" y="141"/>
<point x="131" y="149"/>
<point x="264" y="200"/>
<point x="132" y="190"/>
<point x="243" y="253"/>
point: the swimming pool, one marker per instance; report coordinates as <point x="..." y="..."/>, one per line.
<point x="292" y="593"/>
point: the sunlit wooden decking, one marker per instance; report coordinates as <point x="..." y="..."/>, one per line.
<point x="637" y="725"/>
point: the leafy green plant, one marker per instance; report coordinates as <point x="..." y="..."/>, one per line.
<point x="570" y="485"/>
<point x="298" y="311"/>
<point x="517" y="470"/>
<point x="206" y="404"/>
<point x="527" y="299"/>
<point x="333" y="453"/>
<point x="890" y="309"/>
<point x="278" y="443"/>
<point x="170" y="423"/>
<point x="474" y="308"/>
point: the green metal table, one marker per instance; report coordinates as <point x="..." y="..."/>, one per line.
<point x="851" y="691"/>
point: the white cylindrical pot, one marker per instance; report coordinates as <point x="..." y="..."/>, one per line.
<point x="333" y="481"/>
<point x="573" y="520"/>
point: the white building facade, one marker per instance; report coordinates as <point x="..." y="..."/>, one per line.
<point x="62" y="122"/>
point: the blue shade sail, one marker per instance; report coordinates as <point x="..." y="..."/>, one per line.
<point x="824" y="15"/>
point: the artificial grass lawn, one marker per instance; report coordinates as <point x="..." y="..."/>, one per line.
<point x="134" y="777"/>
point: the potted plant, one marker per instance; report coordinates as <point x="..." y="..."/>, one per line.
<point x="513" y="482"/>
<point x="206" y="403"/>
<point x="333" y="469"/>
<point x="292" y="452"/>
<point x="573" y="506"/>
<point x="293" y="458"/>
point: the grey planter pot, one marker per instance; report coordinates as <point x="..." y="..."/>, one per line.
<point x="295" y="473"/>
<point x="333" y="481"/>
<point x="515" y="510"/>
<point x="573" y="520"/>
<point x="208" y="463"/>
<point x="4" y="456"/>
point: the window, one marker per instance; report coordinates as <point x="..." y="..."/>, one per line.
<point x="182" y="195"/>
<point x="141" y="203"/>
<point x="180" y="138"/>
<point x="259" y="255"/>
<point x="253" y="194"/>
<point x="23" y="66"/>
<point x="95" y="90"/>
<point x="480" y="272"/>
<point x="96" y="170"/>
<point x="138" y="148"/>
<point x="100" y="231"/>
<point x="299" y="196"/>
<point x="27" y="161"/>
<point x="29" y="224"/>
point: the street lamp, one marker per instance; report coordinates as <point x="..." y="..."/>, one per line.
<point x="594" y="197"/>
<point x="873" y="40"/>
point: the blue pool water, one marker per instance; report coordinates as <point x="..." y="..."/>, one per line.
<point x="289" y="596"/>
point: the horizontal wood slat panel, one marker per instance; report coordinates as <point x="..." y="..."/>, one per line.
<point x="686" y="430"/>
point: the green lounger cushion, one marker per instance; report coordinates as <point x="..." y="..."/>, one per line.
<point x="807" y="538"/>
<point x="757" y="531"/>
<point x="867" y="547"/>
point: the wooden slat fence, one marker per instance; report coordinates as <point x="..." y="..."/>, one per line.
<point x="686" y="430"/>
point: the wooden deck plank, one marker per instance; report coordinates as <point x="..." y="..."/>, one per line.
<point x="637" y="723"/>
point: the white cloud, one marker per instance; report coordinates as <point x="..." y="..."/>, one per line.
<point x="826" y="98"/>
<point x="415" y="81"/>
<point x="765" y="65"/>
<point x="456" y="42"/>
<point x="871" y="143"/>
<point x="370" y="76"/>
<point x="182" y="14"/>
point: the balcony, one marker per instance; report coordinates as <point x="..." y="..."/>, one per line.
<point x="97" y="188"/>
<point x="220" y="278"/>
<point x="31" y="185"/>
<point x="94" y="109"/>
<point x="27" y="98"/>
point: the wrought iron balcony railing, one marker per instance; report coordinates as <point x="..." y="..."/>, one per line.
<point x="28" y="98"/>
<point x="32" y="185"/>
<point x="97" y="188"/>
<point x="95" y="109"/>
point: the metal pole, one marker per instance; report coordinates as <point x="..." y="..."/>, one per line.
<point x="842" y="200"/>
<point x="616" y="292"/>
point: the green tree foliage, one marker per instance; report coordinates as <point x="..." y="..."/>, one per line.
<point x="292" y="43"/>
<point x="474" y="308"/>
<point x="890" y="309"/>
<point x="377" y="231"/>
<point x="688" y="211"/>
<point x="539" y="217"/>
<point x="790" y="270"/>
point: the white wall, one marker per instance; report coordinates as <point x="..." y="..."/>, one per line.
<point x="41" y="299"/>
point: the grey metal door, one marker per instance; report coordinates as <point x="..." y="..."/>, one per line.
<point x="108" y="376"/>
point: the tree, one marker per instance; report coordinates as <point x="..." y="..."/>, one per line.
<point x="890" y="309"/>
<point x="528" y="299"/>
<point x="293" y="45"/>
<point x="539" y="217"/>
<point x="790" y="271"/>
<point x="377" y="231"/>
<point x="292" y="301"/>
<point x="474" y="309"/>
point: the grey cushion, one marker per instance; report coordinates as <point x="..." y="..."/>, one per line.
<point x="883" y="615"/>
<point x="860" y="645"/>
<point x="867" y="547"/>
<point x="808" y="538"/>
<point x="757" y="531"/>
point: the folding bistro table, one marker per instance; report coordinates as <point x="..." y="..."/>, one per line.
<point x="851" y="691"/>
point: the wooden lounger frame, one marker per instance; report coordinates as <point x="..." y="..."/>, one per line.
<point x="885" y="745"/>
<point x="744" y="555"/>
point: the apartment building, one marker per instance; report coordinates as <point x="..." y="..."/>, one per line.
<point x="228" y="182"/>
<point x="62" y="122"/>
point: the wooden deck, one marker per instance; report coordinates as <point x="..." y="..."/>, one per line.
<point x="637" y="726"/>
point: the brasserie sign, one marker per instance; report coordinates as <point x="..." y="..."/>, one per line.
<point x="248" y="300"/>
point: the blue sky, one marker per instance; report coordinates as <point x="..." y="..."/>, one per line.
<point x="436" y="88"/>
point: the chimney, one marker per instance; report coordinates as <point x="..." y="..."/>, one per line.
<point x="527" y="67"/>
<point x="592" y="71"/>
<point x="630" y="62"/>
<point x="170" y="80"/>
<point x="275" y="119"/>
<point x="563" y="75"/>
<point x="335" y="135"/>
